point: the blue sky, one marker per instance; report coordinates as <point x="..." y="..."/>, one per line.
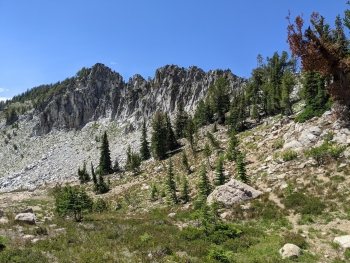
<point x="44" y="41"/>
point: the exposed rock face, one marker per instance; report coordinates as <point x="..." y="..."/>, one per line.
<point x="343" y="241"/>
<point x="290" y="251"/>
<point x="28" y="218"/>
<point x="101" y="92"/>
<point x="233" y="192"/>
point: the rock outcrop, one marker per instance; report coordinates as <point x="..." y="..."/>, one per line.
<point x="99" y="92"/>
<point x="290" y="251"/>
<point x="233" y="192"/>
<point x="28" y="218"/>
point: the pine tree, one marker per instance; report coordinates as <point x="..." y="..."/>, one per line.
<point x="207" y="153"/>
<point x="219" y="173"/>
<point x="154" y="192"/>
<point x="94" y="178"/>
<point x="203" y="114"/>
<point x="288" y="83"/>
<point x="185" y="162"/>
<point x="159" y="135"/>
<point x="204" y="187"/>
<point x="219" y="98"/>
<point x="133" y="161"/>
<point x="241" y="170"/>
<point x="102" y="187"/>
<point x="214" y="142"/>
<point x="181" y="121"/>
<point x="116" y="167"/>
<point x="170" y="183"/>
<point x="144" y="150"/>
<point x="232" y="150"/>
<point x="105" y="158"/>
<point x="84" y="176"/>
<point x="190" y="131"/>
<point x="184" y="191"/>
<point x="170" y="136"/>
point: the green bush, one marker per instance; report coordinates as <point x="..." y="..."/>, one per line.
<point x="99" y="206"/>
<point x="335" y="151"/>
<point x="289" y="155"/>
<point x="306" y="205"/>
<point x="278" y="144"/>
<point x="319" y="153"/>
<point x="220" y="255"/>
<point x="347" y="253"/>
<point x="295" y="239"/>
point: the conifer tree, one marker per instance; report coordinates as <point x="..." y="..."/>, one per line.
<point x="203" y="114"/>
<point x="241" y="169"/>
<point x="185" y="162"/>
<point x="116" y="165"/>
<point x="232" y="150"/>
<point x="181" y="121"/>
<point x="190" y="132"/>
<point x="105" y="158"/>
<point x="219" y="98"/>
<point x="144" y="150"/>
<point x="170" y="136"/>
<point x="184" y="190"/>
<point x="159" y="135"/>
<point x="133" y="161"/>
<point x="94" y="178"/>
<point x="288" y="83"/>
<point x="214" y="142"/>
<point x="84" y="176"/>
<point x="102" y="187"/>
<point x="204" y="186"/>
<point x="219" y="173"/>
<point x="154" y="192"/>
<point x="170" y="183"/>
<point x="207" y="153"/>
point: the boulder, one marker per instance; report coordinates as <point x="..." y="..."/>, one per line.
<point x="233" y="192"/>
<point x="343" y="241"/>
<point x="1" y="213"/>
<point x="292" y="144"/>
<point x="290" y="251"/>
<point x="28" y="218"/>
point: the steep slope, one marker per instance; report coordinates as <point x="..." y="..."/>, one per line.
<point x="54" y="139"/>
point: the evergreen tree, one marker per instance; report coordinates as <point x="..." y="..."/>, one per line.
<point x="207" y="153"/>
<point x="83" y="175"/>
<point x="102" y="187"/>
<point x="204" y="187"/>
<point x="94" y="178"/>
<point x="241" y="170"/>
<point x="154" y="192"/>
<point x="215" y="128"/>
<point x="219" y="173"/>
<point x="170" y="136"/>
<point x="232" y="150"/>
<point x="190" y="132"/>
<point x="116" y="167"/>
<point x="214" y="142"/>
<point x="288" y="84"/>
<point x="181" y="121"/>
<point x="185" y="162"/>
<point x="133" y="161"/>
<point x="171" y="185"/>
<point x="184" y="190"/>
<point x="159" y="135"/>
<point x="203" y="114"/>
<point x="144" y="150"/>
<point x="105" y="158"/>
<point x="219" y="98"/>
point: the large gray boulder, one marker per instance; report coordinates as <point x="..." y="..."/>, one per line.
<point x="233" y="192"/>
<point x="28" y="218"/>
<point x="343" y="241"/>
<point x="290" y="251"/>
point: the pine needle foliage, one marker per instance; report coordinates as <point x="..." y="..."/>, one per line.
<point x="105" y="157"/>
<point x="219" y="172"/>
<point x="241" y="171"/>
<point x="170" y="184"/>
<point x="83" y="175"/>
<point x="144" y="150"/>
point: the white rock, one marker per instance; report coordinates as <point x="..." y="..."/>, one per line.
<point x="290" y="251"/>
<point x="28" y="218"/>
<point x="343" y="241"/>
<point x="233" y="192"/>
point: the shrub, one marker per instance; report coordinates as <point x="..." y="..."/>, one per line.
<point x="335" y="151"/>
<point x="278" y="144"/>
<point x="306" y="205"/>
<point x="347" y="253"/>
<point x="99" y="206"/>
<point x="289" y="155"/>
<point x="220" y="255"/>
<point x="295" y="239"/>
<point x="318" y="153"/>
